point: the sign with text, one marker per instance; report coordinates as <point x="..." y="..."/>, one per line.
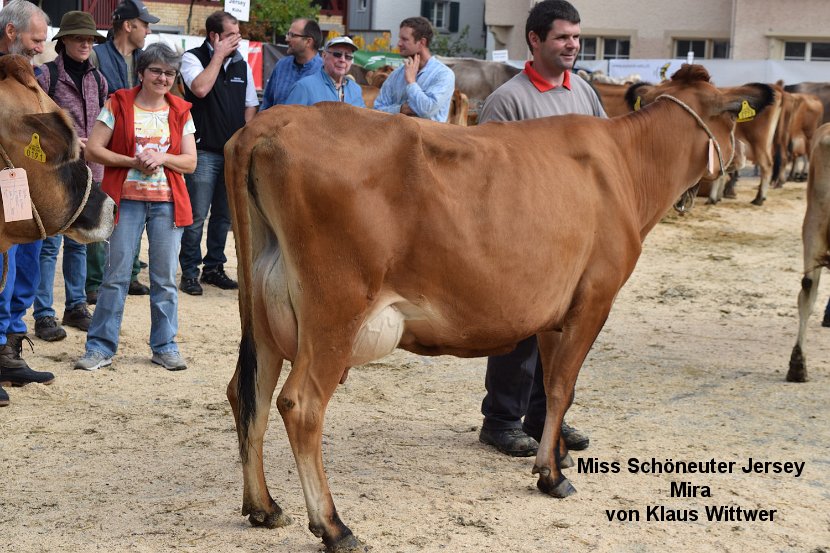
<point x="14" y="186"/>
<point x="500" y="55"/>
<point x="240" y="9"/>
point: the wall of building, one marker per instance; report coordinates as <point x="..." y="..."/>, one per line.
<point x="174" y="16"/>
<point x="756" y="29"/>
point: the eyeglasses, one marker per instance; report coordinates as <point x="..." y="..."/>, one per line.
<point x="289" y="34"/>
<point x="337" y="54"/>
<point x="157" y="72"/>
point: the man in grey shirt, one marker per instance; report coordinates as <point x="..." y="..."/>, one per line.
<point x="545" y="87"/>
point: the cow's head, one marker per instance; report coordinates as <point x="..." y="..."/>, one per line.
<point x="38" y="136"/>
<point x="716" y="110"/>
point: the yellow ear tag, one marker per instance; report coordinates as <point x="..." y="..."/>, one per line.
<point x="637" y="104"/>
<point x="34" y="151"/>
<point x="746" y="113"/>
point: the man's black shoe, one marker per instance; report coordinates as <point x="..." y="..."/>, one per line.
<point x="92" y="297"/>
<point x="190" y="286"/>
<point x="826" y="321"/>
<point x="23" y="376"/>
<point x="138" y="289"/>
<point x="217" y="277"/>
<point x="78" y="317"/>
<point x="574" y="439"/>
<point x="49" y="329"/>
<point x="513" y="441"/>
<point x="4" y="397"/>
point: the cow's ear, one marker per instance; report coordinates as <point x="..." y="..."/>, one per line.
<point x="746" y="102"/>
<point x="634" y="95"/>
<point x="55" y="135"/>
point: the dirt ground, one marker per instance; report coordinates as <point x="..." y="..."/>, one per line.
<point x="690" y="367"/>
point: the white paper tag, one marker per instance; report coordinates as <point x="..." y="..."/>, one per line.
<point x="17" y="203"/>
<point x="713" y="159"/>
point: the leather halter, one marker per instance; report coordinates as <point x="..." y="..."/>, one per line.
<point x="38" y="220"/>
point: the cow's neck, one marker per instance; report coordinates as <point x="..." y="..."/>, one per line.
<point x="671" y="156"/>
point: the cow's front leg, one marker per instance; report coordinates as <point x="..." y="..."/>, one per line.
<point x="302" y="403"/>
<point x="562" y="357"/>
<point x="250" y="392"/>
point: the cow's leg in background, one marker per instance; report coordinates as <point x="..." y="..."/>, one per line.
<point x="815" y="233"/>
<point x="562" y="356"/>
<point x="764" y="161"/>
<point x="259" y="386"/>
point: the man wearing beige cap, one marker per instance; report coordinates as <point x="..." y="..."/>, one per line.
<point x="330" y="84"/>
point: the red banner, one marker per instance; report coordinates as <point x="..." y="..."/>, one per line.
<point x="255" y="61"/>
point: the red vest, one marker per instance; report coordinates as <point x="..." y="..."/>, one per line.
<point x="123" y="142"/>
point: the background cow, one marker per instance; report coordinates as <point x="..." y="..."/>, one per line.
<point x="414" y="243"/>
<point x="815" y="235"/>
<point x="59" y="182"/>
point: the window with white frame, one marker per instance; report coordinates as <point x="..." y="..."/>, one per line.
<point x="703" y="48"/>
<point x="806" y="50"/>
<point x="442" y="15"/>
<point x="603" y="48"/>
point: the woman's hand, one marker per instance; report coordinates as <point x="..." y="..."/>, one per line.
<point x="149" y="161"/>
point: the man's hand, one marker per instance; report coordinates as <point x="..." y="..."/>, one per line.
<point x="410" y="69"/>
<point x="224" y="47"/>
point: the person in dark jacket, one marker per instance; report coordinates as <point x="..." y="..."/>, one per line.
<point x="220" y="85"/>
<point x="117" y="59"/>
<point x="72" y="83"/>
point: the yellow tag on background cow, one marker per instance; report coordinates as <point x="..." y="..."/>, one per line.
<point x="637" y="104"/>
<point x="14" y="187"/>
<point x="34" y="151"/>
<point x="712" y="157"/>
<point x="746" y="113"/>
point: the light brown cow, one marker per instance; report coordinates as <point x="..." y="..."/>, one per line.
<point x="807" y="114"/>
<point x="757" y="135"/>
<point x="815" y="235"/>
<point x="613" y="98"/>
<point x="38" y="136"/>
<point x="441" y="240"/>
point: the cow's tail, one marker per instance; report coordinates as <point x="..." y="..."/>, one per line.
<point x="239" y="180"/>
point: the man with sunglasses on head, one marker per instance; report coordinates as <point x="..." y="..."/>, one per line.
<point x="330" y="83"/>
<point x="422" y="86"/>
<point x="220" y="85"/>
<point x="304" y="38"/>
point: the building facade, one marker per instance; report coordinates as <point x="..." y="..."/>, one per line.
<point x="656" y="29"/>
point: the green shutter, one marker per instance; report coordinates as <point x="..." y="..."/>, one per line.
<point x="454" y="9"/>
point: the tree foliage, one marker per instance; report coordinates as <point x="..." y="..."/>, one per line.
<point x="270" y="19"/>
<point x="446" y="45"/>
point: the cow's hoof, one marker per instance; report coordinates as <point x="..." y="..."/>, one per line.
<point x="559" y="488"/>
<point x="757" y="201"/>
<point x="797" y="374"/>
<point x="566" y="462"/>
<point x="277" y="519"/>
<point x="798" y="369"/>
<point x="347" y="544"/>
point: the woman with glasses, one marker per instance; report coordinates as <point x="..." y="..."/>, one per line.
<point x="144" y="137"/>
<point x="330" y="83"/>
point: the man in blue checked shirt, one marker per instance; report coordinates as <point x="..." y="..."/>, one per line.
<point x="304" y="39"/>
<point x="422" y="86"/>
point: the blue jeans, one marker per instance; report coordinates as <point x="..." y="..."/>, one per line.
<point x="206" y="187"/>
<point x="19" y="293"/>
<point x="74" y="275"/>
<point x="163" y="240"/>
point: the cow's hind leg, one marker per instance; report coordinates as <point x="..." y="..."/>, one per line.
<point x="302" y="403"/>
<point x="250" y="392"/>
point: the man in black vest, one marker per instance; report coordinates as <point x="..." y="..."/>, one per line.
<point x="219" y="83"/>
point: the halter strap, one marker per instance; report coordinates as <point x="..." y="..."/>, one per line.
<point x="707" y="131"/>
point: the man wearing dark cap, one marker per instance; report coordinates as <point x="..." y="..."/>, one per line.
<point x="116" y="60"/>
